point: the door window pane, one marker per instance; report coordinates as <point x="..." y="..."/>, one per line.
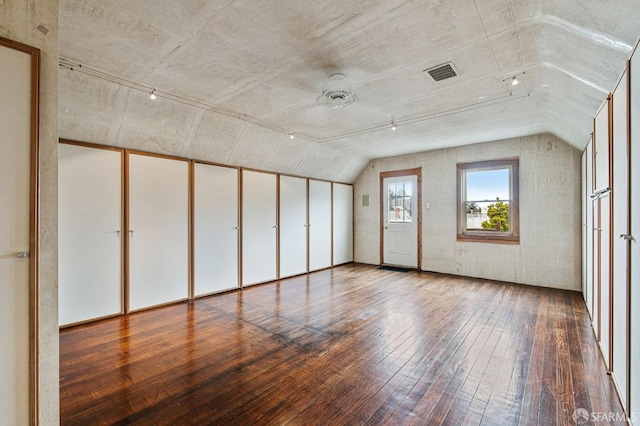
<point x="400" y="201"/>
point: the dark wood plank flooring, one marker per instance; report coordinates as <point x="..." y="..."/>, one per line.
<point x="353" y="345"/>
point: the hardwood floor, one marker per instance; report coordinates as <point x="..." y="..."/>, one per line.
<point x="352" y="345"/>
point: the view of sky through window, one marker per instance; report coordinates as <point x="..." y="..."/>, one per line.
<point x="487" y="185"/>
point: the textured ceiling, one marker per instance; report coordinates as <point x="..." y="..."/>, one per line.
<point x="233" y="78"/>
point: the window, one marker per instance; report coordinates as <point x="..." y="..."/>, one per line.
<point x="399" y="202"/>
<point x="488" y="201"/>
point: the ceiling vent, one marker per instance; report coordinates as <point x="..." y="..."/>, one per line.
<point x="442" y="72"/>
<point x="337" y="92"/>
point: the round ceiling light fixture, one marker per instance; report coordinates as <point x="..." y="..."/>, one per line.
<point x="337" y="92"/>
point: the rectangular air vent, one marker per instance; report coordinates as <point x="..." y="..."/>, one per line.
<point x="442" y="72"/>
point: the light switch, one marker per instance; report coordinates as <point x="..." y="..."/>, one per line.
<point x="427" y="205"/>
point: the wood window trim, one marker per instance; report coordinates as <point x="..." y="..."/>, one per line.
<point x="487" y="236"/>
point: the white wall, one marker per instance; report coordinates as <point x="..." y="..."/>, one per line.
<point x="549" y="251"/>
<point x="19" y="21"/>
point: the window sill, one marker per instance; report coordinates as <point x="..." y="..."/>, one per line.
<point x="511" y="239"/>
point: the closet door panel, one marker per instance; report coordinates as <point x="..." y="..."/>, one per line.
<point x="589" y="229"/>
<point x="595" y="267"/>
<point x="635" y="241"/>
<point x="620" y="245"/>
<point x="605" y="278"/>
<point x="259" y="227"/>
<point x="319" y="225"/>
<point x="293" y="226"/>
<point x="215" y="228"/>
<point x="601" y="148"/>
<point x="16" y="144"/>
<point x="89" y="223"/>
<point x="342" y="223"/>
<point x="158" y="230"/>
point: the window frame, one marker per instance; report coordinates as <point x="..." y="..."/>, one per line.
<point x="489" y="236"/>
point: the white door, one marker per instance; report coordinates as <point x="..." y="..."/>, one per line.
<point x="259" y="227"/>
<point x="400" y="221"/>
<point x="342" y="223"/>
<point x="293" y="226"/>
<point x="601" y="148"/>
<point x="635" y="239"/>
<point x="588" y="255"/>
<point x="15" y="149"/>
<point x="595" y="267"/>
<point x="620" y="245"/>
<point x="319" y="224"/>
<point x="215" y="228"/>
<point x="605" y="280"/>
<point x="89" y="233"/>
<point x="158" y="231"/>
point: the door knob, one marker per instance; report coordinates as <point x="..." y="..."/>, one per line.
<point x="627" y="237"/>
<point x="22" y="255"/>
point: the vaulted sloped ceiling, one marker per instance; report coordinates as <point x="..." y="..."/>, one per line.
<point x="235" y="78"/>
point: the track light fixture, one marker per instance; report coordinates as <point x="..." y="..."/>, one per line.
<point x="152" y="95"/>
<point x="393" y="125"/>
<point x="514" y="79"/>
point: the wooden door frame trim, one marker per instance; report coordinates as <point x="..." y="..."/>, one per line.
<point x="417" y="171"/>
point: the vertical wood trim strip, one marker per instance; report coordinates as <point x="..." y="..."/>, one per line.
<point x="191" y="236"/>
<point x="419" y="208"/>
<point x="611" y="228"/>
<point x="277" y="226"/>
<point x="353" y="223"/>
<point x="127" y="226"/>
<point x="123" y="225"/>
<point x="381" y="219"/>
<point x="34" y="242"/>
<point x="240" y="226"/>
<point x="308" y="226"/>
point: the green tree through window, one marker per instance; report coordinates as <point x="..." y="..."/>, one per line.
<point x="498" y="214"/>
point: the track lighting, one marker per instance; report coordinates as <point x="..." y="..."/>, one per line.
<point x="152" y="95"/>
<point x="514" y="79"/>
<point x="393" y="125"/>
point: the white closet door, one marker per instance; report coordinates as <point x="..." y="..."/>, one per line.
<point x="589" y="229"/>
<point x="601" y="148"/>
<point x="620" y="245"/>
<point x="158" y="230"/>
<point x="635" y="242"/>
<point x="259" y="227"/>
<point x="293" y="226"/>
<point x="595" y="267"/>
<point x="319" y="225"/>
<point x="89" y="240"/>
<point x="605" y="281"/>
<point x="342" y="223"/>
<point x="15" y="148"/>
<point x="215" y="228"/>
